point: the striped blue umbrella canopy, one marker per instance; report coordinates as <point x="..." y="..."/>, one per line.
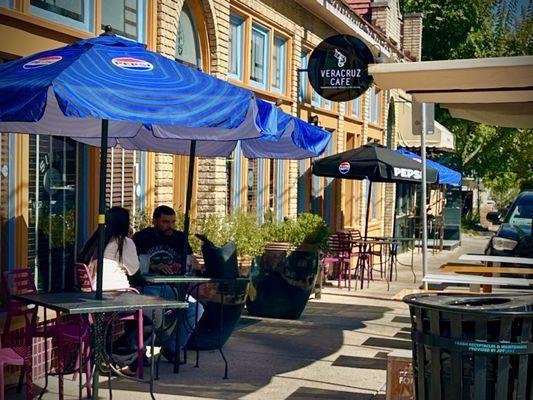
<point x="68" y="91"/>
<point x="289" y="138"/>
<point x="112" y="91"/>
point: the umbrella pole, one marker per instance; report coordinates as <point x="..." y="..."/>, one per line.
<point x="187" y="221"/>
<point x="369" y="195"/>
<point x="101" y="209"/>
<point x="98" y="318"/>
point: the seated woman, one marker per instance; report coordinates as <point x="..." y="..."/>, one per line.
<point x="120" y="264"/>
<point x="120" y="254"/>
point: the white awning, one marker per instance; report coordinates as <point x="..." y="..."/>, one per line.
<point x="441" y="138"/>
<point x="498" y="91"/>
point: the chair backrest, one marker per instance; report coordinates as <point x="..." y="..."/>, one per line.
<point x="355" y="234"/>
<point x="339" y="242"/>
<point x="84" y="278"/>
<point x="18" y="281"/>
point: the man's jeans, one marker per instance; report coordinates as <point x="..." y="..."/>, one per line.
<point x="187" y="325"/>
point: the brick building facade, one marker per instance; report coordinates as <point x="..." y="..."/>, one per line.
<point x="220" y="37"/>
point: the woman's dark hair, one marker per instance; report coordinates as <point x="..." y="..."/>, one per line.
<point x="117" y="226"/>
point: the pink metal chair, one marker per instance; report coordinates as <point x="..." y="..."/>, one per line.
<point x="339" y="253"/>
<point x="19" y="352"/>
<point x="62" y="331"/>
<point x="85" y="282"/>
<point x="19" y="356"/>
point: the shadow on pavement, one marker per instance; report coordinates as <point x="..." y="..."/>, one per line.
<point x="261" y="349"/>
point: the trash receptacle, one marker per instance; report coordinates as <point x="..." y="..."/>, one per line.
<point x="472" y="347"/>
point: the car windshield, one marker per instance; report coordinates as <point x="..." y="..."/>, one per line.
<point x="521" y="213"/>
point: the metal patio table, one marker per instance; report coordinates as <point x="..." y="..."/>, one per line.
<point x="178" y="283"/>
<point x="113" y="302"/>
<point x="394" y="251"/>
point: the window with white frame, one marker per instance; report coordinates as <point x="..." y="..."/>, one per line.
<point x="302" y="92"/>
<point x="356" y="107"/>
<point x="235" y="47"/>
<point x="278" y="74"/>
<point x="375" y="200"/>
<point x="369" y="105"/>
<point x="77" y="14"/>
<point x="126" y="17"/>
<point x="316" y="100"/>
<point x="188" y="39"/>
<point x="376" y="113"/>
<point x="259" y="58"/>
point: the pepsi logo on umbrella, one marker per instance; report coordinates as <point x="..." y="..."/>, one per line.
<point x="344" y="167"/>
<point x="132" y="64"/>
<point x="42" y="62"/>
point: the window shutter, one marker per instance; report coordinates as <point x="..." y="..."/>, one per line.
<point x="122" y="178"/>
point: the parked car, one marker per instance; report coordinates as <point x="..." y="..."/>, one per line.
<point x="513" y="237"/>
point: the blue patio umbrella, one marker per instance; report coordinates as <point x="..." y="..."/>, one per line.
<point x="447" y="176"/>
<point x="109" y="90"/>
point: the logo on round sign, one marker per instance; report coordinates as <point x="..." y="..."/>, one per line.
<point x="132" y="64"/>
<point x="344" y="167"/>
<point x="338" y="68"/>
<point x="42" y="62"/>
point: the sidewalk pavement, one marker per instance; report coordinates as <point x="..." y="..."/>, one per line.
<point x="336" y="350"/>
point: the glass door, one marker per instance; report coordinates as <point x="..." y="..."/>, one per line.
<point x="52" y="211"/>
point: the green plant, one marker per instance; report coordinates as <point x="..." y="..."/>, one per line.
<point x="309" y="229"/>
<point x="239" y="227"/>
<point x="247" y="234"/>
<point x="57" y="227"/>
<point x="142" y="220"/>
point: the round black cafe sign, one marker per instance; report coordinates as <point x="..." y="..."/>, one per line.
<point x="338" y="68"/>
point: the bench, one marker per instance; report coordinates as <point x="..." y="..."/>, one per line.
<point x="475" y="281"/>
<point x="475" y="269"/>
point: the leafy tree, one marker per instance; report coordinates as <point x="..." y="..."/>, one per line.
<point x="455" y="29"/>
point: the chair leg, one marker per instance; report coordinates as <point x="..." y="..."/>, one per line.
<point x="140" y="347"/>
<point x="21" y="379"/>
<point x="87" y="356"/>
<point x="339" y="273"/>
<point x="29" y="381"/>
<point x="1" y="381"/>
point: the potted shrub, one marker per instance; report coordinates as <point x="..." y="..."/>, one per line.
<point x="285" y="275"/>
<point x="246" y="233"/>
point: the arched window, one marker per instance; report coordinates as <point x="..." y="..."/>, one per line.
<point x="187" y="39"/>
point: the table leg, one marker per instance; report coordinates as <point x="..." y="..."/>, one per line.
<point x="80" y="363"/>
<point x="98" y="336"/>
<point x="152" y="342"/>
<point x="221" y="323"/>
<point x="196" y="322"/>
<point x="179" y="317"/>
<point x="45" y="356"/>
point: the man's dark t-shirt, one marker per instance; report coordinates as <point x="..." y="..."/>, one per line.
<point x="161" y="248"/>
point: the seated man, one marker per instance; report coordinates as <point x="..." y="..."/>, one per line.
<point x="160" y="250"/>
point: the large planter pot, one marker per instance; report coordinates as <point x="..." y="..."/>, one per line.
<point x="282" y="281"/>
<point x="219" y="319"/>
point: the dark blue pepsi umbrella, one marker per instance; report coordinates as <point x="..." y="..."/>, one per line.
<point x="109" y="90"/>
